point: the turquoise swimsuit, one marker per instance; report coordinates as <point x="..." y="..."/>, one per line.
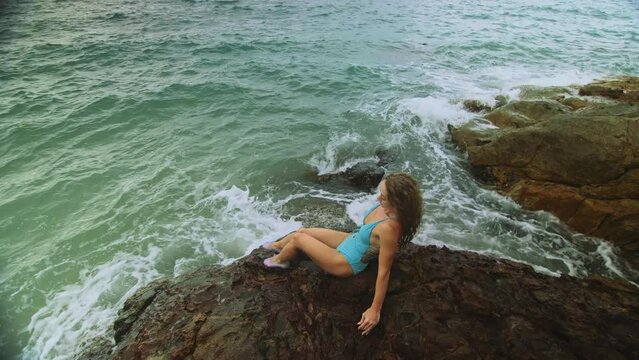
<point x="357" y="243"/>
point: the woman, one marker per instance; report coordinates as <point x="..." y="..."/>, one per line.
<point x="387" y="226"/>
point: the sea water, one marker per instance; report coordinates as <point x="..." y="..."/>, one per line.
<point x="144" y="139"/>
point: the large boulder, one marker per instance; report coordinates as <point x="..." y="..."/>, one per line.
<point x="441" y="304"/>
<point x="575" y="157"/>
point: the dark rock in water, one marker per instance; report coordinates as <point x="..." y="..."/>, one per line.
<point x="578" y="159"/>
<point x="441" y="304"/>
<point x="316" y="212"/>
<point x="476" y="106"/>
<point x="364" y="175"/>
<point x="385" y="156"/>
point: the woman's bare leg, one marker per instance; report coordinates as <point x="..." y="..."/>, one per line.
<point x="326" y="257"/>
<point x="329" y="237"/>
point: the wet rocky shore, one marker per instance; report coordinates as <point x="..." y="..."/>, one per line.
<point x="572" y="151"/>
<point x="441" y="304"/>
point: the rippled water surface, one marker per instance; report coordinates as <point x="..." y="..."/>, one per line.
<point x="142" y="139"/>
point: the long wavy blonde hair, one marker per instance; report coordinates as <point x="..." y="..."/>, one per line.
<point x="404" y="195"/>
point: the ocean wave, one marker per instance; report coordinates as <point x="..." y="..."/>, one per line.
<point x="76" y="313"/>
<point x="340" y="154"/>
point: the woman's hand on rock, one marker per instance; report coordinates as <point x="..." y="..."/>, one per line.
<point x="369" y="320"/>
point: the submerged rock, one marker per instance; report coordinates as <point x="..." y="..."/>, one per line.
<point x="440" y="304"/>
<point x="477" y="106"/>
<point x="385" y="156"/>
<point x="364" y="175"/>
<point x="577" y="158"/>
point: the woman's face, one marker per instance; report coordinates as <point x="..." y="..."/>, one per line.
<point x="383" y="198"/>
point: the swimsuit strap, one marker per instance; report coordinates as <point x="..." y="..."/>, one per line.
<point x="380" y="220"/>
<point x="369" y="211"/>
<point x="374" y="223"/>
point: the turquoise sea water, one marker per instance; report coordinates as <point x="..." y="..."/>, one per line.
<point x="142" y="139"/>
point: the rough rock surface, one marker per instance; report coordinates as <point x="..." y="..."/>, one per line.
<point x="575" y="157"/>
<point x="365" y="175"/>
<point x="318" y="212"/>
<point x="440" y="305"/>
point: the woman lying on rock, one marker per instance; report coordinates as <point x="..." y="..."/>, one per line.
<point x="387" y="226"/>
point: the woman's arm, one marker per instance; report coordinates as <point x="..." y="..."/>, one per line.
<point x="388" y="247"/>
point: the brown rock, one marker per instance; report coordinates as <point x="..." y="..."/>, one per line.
<point x="533" y="111"/>
<point x="626" y="186"/>
<point x="527" y="92"/>
<point x="624" y="89"/>
<point x="440" y="305"/>
<point x="582" y="165"/>
<point x="574" y="103"/>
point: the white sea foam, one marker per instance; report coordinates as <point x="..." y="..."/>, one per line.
<point x="80" y="311"/>
<point x="484" y="84"/>
<point x="435" y="112"/>
<point x="611" y="261"/>
<point x="339" y="154"/>
<point x="508" y="78"/>
<point x="357" y="208"/>
<point x="306" y="190"/>
<point x="242" y="224"/>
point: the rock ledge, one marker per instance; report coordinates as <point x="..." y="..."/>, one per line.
<point x="441" y="304"/>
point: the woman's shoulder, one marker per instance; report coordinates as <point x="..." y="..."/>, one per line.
<point x="390" y="228"/>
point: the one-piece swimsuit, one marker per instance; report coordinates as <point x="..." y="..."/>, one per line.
<point x="358" y="243"/>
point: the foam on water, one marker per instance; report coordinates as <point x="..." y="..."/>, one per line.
<point x="77" y="313"/>
<point x="607" y="252"/>
<point x="358" y="207"/>
<point x="338" y="154"/>
<point x="486" y="83"/>
<point x="435" y="112"/>
<point x="244" y="220"/>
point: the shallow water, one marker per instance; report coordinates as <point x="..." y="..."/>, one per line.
<point x="140" y="140"/>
